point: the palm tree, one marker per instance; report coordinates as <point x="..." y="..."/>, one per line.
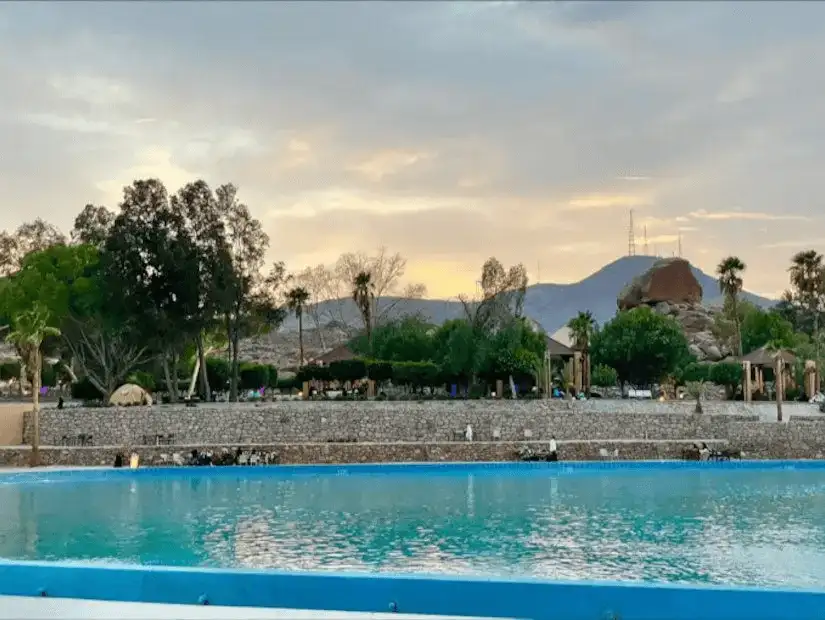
<point x="29" y="331"/>
<point x="730" y="271"/>
<point x="296" y="300"/>
<point x="582" y="327"/>
<point x="363" y="294"/>
<point x="807" y="274"/>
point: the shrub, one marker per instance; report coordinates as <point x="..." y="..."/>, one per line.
<point x="380" y="371"/>
<point x="85" y="390"/>
<point x="48" y="376"/>
<point x="217" y="371"/>
<point x="9" y="370"/>
<point x="254" y="376"/>
<point x="348" y="370"/>
<point x="604" y="376"/>
<point x="416" y="374"/>
<point x="694" y="372"/>
<point x="288" y="383"/>
<point x="272" y="378"/>
<point x="144" y="379"/>
<point x="313" y="373"/>
<point x="728" y="374"/>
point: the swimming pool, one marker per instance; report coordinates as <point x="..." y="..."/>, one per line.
<point x="739" y="524"/>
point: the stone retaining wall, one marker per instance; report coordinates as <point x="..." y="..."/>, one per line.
<point x="377" y="422"/>
<point x="427" y="430"/>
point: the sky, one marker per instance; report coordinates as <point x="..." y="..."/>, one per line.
<point x="449" y="132"/>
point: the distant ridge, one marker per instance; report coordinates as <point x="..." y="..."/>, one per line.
<point x="552" y="305"/>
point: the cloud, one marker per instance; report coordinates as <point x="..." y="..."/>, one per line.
<point x="794" y="244"/>
<point x="701" y="214"/>
<point x="597" y="201"/>
<point x="450" y="132"/>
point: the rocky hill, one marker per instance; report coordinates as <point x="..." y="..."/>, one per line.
<point x="551" y="305"/>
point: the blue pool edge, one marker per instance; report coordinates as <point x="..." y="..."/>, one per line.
<point x="90" y="474"/>
<point x="408" y="594"/>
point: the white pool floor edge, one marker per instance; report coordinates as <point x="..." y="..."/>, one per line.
<point x="18" y="607"/>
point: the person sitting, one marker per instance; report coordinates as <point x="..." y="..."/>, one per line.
<point x="118" y="460"/>
<point x="704" y="452"/>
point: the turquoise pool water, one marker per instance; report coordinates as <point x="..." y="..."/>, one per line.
<point x="708" y="526"/>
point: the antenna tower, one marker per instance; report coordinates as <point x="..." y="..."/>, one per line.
<point x="646" y="254"/>
<point x="631" y="239"/>
<point x="680" y="244"/>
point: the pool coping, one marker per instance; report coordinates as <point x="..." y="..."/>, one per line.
<point x="408" y="594"/>
<point x="90" y="474"/>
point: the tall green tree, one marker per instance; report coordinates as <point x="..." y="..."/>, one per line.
<point x="460" y="350"/>
<point x="29" y="329"/>
<point x="730" y="271"/>
<point x="150" y="264"/>
<point x="296" y="300"/>
<point x="642" y="346"/>
<point x="197" y="207"/>
<point x="248" y="300"/>
<point x="92" y="225"/>
<point x="582" y="327"/>
<point x="807" y="275"/>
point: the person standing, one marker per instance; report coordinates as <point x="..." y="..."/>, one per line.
<point x="553" y="456"/>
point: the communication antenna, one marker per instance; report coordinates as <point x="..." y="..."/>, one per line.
<point x="631" y="239"/>
<point x="680" y="244"/>
<point x="646" y="254"/>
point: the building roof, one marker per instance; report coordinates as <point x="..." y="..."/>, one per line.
<point x="564" y="336"/>
<point x="764" y="356"/>
<point x="557" y="349"/>
<point x="338" y="354"/>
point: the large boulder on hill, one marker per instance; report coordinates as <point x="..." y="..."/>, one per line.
<point x="699" y="325"/>
<point x="668" y="280"/>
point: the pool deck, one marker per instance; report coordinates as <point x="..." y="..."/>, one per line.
<point x="16" y="607"/>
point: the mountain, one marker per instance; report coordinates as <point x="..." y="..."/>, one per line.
<point x="551" y="305"/>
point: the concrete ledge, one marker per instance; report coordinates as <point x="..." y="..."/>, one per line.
<point x="308" y="453"/>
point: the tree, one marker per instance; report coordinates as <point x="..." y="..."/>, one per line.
<point x="68" y="282"/>
<point x="150" y="265"/>
<point x="516" y="351"/>
<point x="297" y="299"/>
<point x="30" y="328"/>
<point x="807" y="275"/>
<point x="406" y="339"/>
<point x="582" y="327"/>
<point x="363" y="294"/>
<point x="459" y="349"/>
<point x="198" y="210"/>
<point x="92" y="225"/>
<point x="29" y="237"/>
<point x="385" y="270"/>
<point x="502" y="296"/>
<point x="317" y="282"/>
<point x="759" y="327"/>
<point x="727" y="374"/>
<point x="730" y="271"/>
<point x="248" y="302"/>
<point x="604" y="376"/>
<point x="642" y="346"/>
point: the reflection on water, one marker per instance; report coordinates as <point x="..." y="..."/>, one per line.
<point x="759" y="528"/>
